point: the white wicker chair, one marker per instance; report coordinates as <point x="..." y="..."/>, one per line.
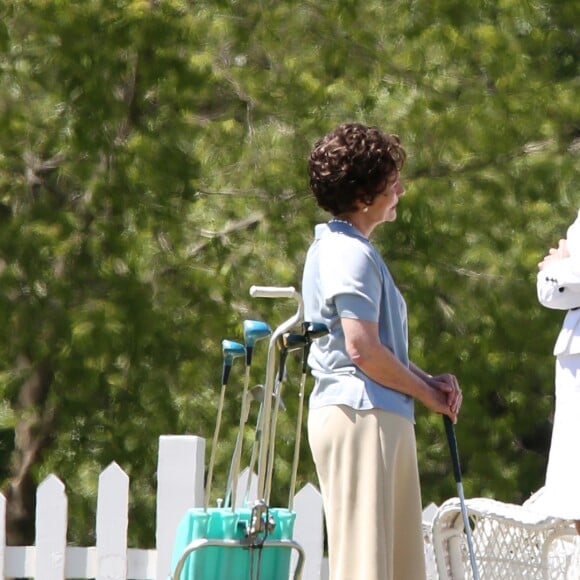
<point x="511" y="542"/>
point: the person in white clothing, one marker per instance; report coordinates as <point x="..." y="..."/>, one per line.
<point x="558" y="286"/>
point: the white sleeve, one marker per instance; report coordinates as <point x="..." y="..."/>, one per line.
<point x="558" y="284"/>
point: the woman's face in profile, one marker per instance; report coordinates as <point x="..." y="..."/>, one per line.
<point x="385" y="204"/>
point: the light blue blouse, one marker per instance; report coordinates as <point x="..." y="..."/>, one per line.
<point x="345" y="276"/>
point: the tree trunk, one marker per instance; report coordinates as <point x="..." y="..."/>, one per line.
<point x="33" y="434"/>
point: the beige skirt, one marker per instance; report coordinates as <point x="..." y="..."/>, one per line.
<point x="367" y="469"/>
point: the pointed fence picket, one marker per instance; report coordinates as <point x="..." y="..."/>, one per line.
<point x="180" y="474"/>
<point x="112" y="522"/>
<point x="51" y="526"/>
<point x="308" y="529"/>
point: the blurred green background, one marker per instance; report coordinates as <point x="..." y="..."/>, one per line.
<point x="152" y="168"/>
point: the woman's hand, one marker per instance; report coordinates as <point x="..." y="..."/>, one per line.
<point x="554" y="254"/>
<point x="447" y="385"/>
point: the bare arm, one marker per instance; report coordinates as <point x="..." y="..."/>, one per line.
<point x="379" y="363"/>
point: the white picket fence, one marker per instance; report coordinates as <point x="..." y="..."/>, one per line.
<point x="543" y="547"/>
<point x="180" y="474"/>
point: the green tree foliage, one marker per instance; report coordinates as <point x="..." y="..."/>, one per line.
<point x="152" y="168"/>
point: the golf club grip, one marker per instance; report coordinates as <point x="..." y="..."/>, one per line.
<point x="452" y="440"/>
<point x="226" y="373"/>
<point x="272" y="292"/>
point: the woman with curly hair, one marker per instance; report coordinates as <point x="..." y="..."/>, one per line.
<point x="361" y="417"/>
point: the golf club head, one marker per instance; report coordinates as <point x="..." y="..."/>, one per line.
<point x="230" y="350"/>
<point x="257" y="394"/>
<point x="292" y="341"/>
<point x="314" y="330"/>
<point x="254" y="330"/>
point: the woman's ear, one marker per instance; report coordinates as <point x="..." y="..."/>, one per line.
<point x="360" y="205"/>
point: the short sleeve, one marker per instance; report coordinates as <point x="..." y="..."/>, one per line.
<point x="351" y="277"/>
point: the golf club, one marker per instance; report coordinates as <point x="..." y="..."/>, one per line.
<point x="312" y="331"/>
<point x="254" y="330"/>
<point x="231" y="350"/>
<point x="288" y="342"/>
<point x="452" y="440"/>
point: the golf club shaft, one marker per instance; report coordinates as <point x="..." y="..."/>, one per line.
<point x="214" y="446"/>
<point x="273" y="423"/>
<point x="297" y="438"/>
<point x="237" y="451"/>
<point x="311" y="331"/>
<point x="253" y="455"/>
<point x="452" y="440"/>
<point x="236" y="459"/>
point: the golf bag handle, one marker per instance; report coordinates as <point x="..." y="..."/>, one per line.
<point x="452" y="440"/>
<point x="272" y="292"/>
<point x="264" y="478"/>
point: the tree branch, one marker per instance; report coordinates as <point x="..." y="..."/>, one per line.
<point x="247" y="223"/>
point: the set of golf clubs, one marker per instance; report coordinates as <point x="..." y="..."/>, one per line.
<point x="291" y="336"/>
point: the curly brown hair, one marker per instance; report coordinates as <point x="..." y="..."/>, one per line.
<point x="353" y="163"/>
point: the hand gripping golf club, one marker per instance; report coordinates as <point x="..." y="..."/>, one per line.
<point x="286" y="343"/>
<point x="231" y="350"/>
<point x="263" y="431"/>
<point x="312" y="331"/>
<point x="254" y="330"/>
<point x="452" y="440"/>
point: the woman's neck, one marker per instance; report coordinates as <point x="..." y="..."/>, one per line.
<point x="359" y="219"/>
